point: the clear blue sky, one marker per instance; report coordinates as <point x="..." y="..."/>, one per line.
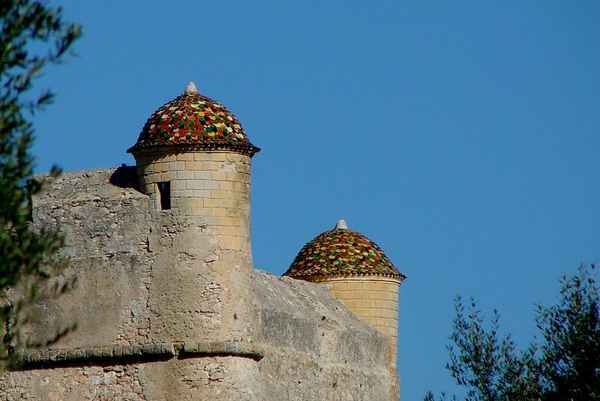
<point x="461" y="136"/>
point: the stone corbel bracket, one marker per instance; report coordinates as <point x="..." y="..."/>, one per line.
<point x="140" y="353"/>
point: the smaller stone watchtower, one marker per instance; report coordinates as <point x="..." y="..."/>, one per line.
<point x="358" y="274"/>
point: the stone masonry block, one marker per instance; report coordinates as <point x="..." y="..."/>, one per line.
<point x="219" y="175"/>
<point x="347" y="286"/>
<point x="177" y="165"/>
<point x="202" y="175"/>
<point x="225" y="203"/>
<point x="226" y="185"/>
<point x="201" y="193"/>
<point x="185" y="156"/>
<point x="383" y="295"/>
<point x="193" y="165"/>
<point x="218" y="194"/>
<point x="184" y="175"/>
<point x="178" y="194"/>
<point x="168" y="176"/>
<point x="221" y="156"/>
<point x="178" y="185"/>
<point x="201" y="184"/>
<point x="219" y="211"/>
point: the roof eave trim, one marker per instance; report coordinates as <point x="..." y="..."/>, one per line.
<point x="324" y="277"/>
<point x="245" y="149"/>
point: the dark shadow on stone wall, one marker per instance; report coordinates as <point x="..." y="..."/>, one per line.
<point x="125" y="177"/>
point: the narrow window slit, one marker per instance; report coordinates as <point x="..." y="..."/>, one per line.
<point x="164" y="195"/>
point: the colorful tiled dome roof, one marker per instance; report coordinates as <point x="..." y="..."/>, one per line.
<point x="341" y="253"/>
<point x="196" y="122"/>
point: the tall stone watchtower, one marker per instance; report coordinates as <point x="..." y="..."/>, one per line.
<point x="358" y="273"/>
<point x="193" y="160"/>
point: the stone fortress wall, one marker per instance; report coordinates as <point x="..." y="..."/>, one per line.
<point x="169" y="307"/>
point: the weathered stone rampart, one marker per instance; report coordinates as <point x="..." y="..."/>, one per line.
<point x="162" y="313"/>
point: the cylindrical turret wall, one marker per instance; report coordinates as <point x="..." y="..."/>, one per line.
<point x="200" y="201"/>
<point x="373" y="299"/>
<point x="212" y="185"/>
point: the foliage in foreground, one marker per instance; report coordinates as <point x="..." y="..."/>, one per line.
<point x="32" y="35"/>
<point x="563" y="366"/>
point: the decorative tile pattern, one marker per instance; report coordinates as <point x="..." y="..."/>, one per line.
<point x="194" y="121"/>
<point x="341" y="253"/>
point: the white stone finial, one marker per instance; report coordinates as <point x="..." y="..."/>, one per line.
<point x="341" y="225"/>
<point x="191" y="89"/>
